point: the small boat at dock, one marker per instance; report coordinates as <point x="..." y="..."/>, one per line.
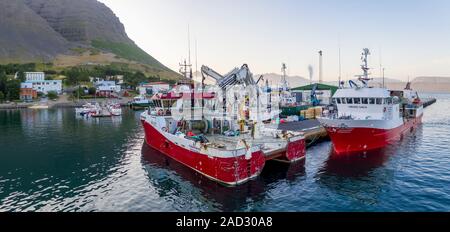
<point x="86" y="109"/>
<point x="115" y="109"/>
<point x="140" y="102"/>
<point x="99" y="111"/>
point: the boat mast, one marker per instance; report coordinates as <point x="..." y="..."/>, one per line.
<point x="381" y="68"/>
<point x="364" y="78"/>
<point x="340" y="69"/>
<point x="189" y="45"/>
<point x="186" y="71"/>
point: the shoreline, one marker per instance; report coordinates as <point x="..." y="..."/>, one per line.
<point x="59" y="104"/>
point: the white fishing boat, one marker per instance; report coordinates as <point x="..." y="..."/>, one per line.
<point x="86" y="109"/>
<point x="140" y="102"/>
<point x="115" y="109"/>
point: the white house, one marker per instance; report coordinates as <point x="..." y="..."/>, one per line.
<point x="107" y="88"/>
<point x="152" y="88"/>
<point x="46" y="86"/>
<point x="37" y="81"/>
<point x="34" y="76"/>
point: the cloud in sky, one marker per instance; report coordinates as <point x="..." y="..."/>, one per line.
<point x="410" y="35"/>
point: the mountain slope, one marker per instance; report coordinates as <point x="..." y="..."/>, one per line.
<point x="25" y="36"/>
<point x="275" y="79"/>
<point x="81" y="20"/>
<point x="81" y="31"/>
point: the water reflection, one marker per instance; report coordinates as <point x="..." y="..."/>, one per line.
<point x="361" y="177"/>
<point x="224" y="198"/>
<point x="354" y="165"/>
<point x="363" y="164"/>
<point x="114" y="121"/>
<point x="50" y="162"/>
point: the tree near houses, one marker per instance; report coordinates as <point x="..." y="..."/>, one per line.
<point x="3" y="80"/>
<point x="52" y="95"/>
<point x="13" y="89"/>
<point x="21" y="76"/>
<point x="92" y="90"/>
<point x="10" y="89"/>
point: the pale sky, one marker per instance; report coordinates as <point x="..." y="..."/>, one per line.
<point x="412" y="35"/>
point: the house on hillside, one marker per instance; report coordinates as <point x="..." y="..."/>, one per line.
<point x="107" y="89"/>
<point x="117" y="78"/>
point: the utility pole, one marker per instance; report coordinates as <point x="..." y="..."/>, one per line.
<point x="320" y="66"/>
<point x="381" y="66"/>
<point x="189" y="45"/>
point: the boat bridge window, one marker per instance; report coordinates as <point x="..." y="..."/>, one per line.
<point x="379" y="101"/>
<point x="349" y="100"/>
<point x="372" y="101"/>
<point x="365" y="101"/>
<point x="344" y="100"/>
<point x="357" y="100"/>
<point x="157" y="103"/>
<point x="167" y="104"/>
<point x="338" y="100"/>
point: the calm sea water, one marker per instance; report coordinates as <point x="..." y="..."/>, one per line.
<point x="52" y="161"/>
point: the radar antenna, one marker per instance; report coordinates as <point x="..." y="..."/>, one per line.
<point x="364" y="78"/>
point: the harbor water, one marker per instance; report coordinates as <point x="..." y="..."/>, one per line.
<point x="50" y="160"/>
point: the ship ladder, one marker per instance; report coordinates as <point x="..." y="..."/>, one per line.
<point x="249" y="159"/>
<point x="236" y="173"/>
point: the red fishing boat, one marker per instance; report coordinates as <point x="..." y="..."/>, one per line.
<point x="368" y="118"/>
<point x="230" y="149"/>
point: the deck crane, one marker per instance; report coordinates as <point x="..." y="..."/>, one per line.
<point x="314" y="100"/>
<point x="236" y="76"/>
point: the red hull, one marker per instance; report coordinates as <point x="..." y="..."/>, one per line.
<point x="351" y="140"/>
<point x="228" y="171"/>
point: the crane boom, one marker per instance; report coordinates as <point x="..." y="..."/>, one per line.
<point x="236" y="76"/>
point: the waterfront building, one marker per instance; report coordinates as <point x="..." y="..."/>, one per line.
<point x="38" y="83"/>
<point x="46" y="86"/>
<point x="27" y="93"/>
<point x="34" y="76"/>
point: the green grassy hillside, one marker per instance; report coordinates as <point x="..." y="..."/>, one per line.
<point x="128" y="51"/>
